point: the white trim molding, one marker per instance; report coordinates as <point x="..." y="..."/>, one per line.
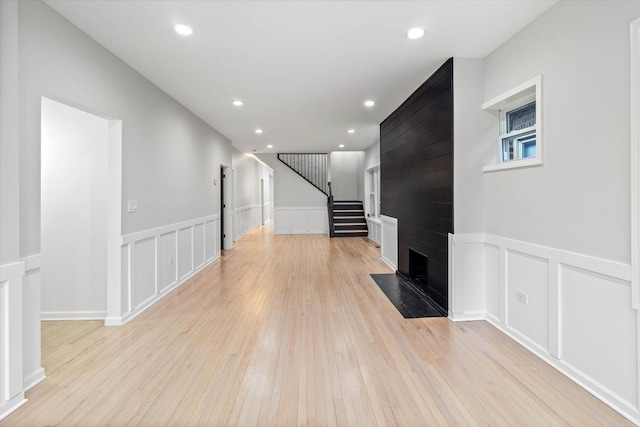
<point x="375" y="229"/>
<point x="635" y="162"/>
<point x="245" y="219"/>
<point x="156" y="261"/>
<point x="301" y="220"/>
<point x="11" y="340"/>
<point x="389" y="241"/>
<point x="547" y="299"/>
<point x="532" y="88"/>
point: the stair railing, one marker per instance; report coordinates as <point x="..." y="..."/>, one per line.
<point x="330" y="211"/>
<point x="312" y="167"/>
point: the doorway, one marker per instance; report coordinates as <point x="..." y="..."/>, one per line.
<point x="222" y="206"/>
<point x="262" y="210"/>
<point x="226" y="235"/>
<point x="81" y="156"/>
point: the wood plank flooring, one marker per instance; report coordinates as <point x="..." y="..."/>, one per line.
<point x="291" y="330"/>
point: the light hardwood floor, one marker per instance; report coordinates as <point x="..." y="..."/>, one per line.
<point x="291" y="330"/>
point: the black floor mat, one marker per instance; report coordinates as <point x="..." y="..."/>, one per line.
<point x="405" y="298"/>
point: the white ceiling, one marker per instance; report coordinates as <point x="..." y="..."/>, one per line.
<point x="303" y="68"/>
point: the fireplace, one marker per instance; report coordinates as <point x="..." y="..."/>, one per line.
<point x="418" y="269"/>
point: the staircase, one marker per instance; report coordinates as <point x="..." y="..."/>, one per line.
<point x="313" y="167"/>
<point x="348" y="219"/>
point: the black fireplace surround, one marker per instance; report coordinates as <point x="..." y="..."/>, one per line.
<point x="416" y="172"/>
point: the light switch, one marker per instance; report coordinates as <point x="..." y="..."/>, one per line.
<point x="132" y="206"/>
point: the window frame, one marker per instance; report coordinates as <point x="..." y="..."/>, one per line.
<point x="373" y="187"/>
<point x="513" y="99"/>
<point x="521" y="133"/>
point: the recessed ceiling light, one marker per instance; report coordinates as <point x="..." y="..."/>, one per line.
<point x="369" y="103"/>
<point x="258" y="130"/>
<point x="415" y="33"/>
<point x="351" y="131"/>
<point x="183" y="30"/>
<point x="238" y="102"/>
<point x="341" y="145"/>
<point x="269" y="146"/>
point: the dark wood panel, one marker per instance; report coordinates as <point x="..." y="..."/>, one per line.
<point x="416" y="164"/>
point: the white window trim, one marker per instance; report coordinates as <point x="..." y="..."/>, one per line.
<point x="373" y="173"/>
<point x="529" y="90"/>
<point x="635" y="162"/>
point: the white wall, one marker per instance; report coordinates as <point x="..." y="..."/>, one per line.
<point x="290" y="189"/>
<point x="471" y="124"/>
<point x="170" y="159"/>
<point x="166" y="149"/>
<point x="74" y="212"/>
<point x="551" y="265"/>
<point x="579" y="199"/>
<point x="14" y="286"/>
<point x="372" y="156"/>
<point x="347" y="170"/>
<point x="9" y="131"/>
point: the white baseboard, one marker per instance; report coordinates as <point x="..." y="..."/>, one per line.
<point x="34" y="379"/>
<point x="11" y="406"/>
<point x="466" y="317"/>
<point x="389" y="263"/>
<point x="72" y="315"/>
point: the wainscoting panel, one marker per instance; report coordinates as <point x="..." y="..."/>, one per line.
<point x="125" y="280"/>
<point x="318" y="221"/>
<point x="301" y="220"/>
<point x="212" y="239"/>
<point x="156" y="261"/>
<point x="185" y="252"/>
<point x="246" y="219"/>
<point x="198" y="246"/>
<point x="493" y="290"/>
<point x="11" y="344"/>
<point x="166" y="260"/>
<point x="145" y="271"/>
<point x="389" y="241"/>
<point x="31" y="297"/>
<point x="467" y="277"/>
<point x="574" y="311"/>
<point x="598" y="329"/>
<point x="375" y="229"/>
<point x="528" y="277"/>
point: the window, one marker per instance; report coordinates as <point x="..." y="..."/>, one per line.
<point x="518" y="132"/>
<point x="519" y="136"/>
<point x="373" y="188"/>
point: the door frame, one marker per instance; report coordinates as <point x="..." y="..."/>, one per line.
<point x="226" y="216"/>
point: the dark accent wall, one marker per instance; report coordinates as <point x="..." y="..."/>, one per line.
<point x="416" y="171"/>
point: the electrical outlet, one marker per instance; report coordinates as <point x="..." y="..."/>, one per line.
<point x="171" y="261"/>
<point x="522" y="297"/>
